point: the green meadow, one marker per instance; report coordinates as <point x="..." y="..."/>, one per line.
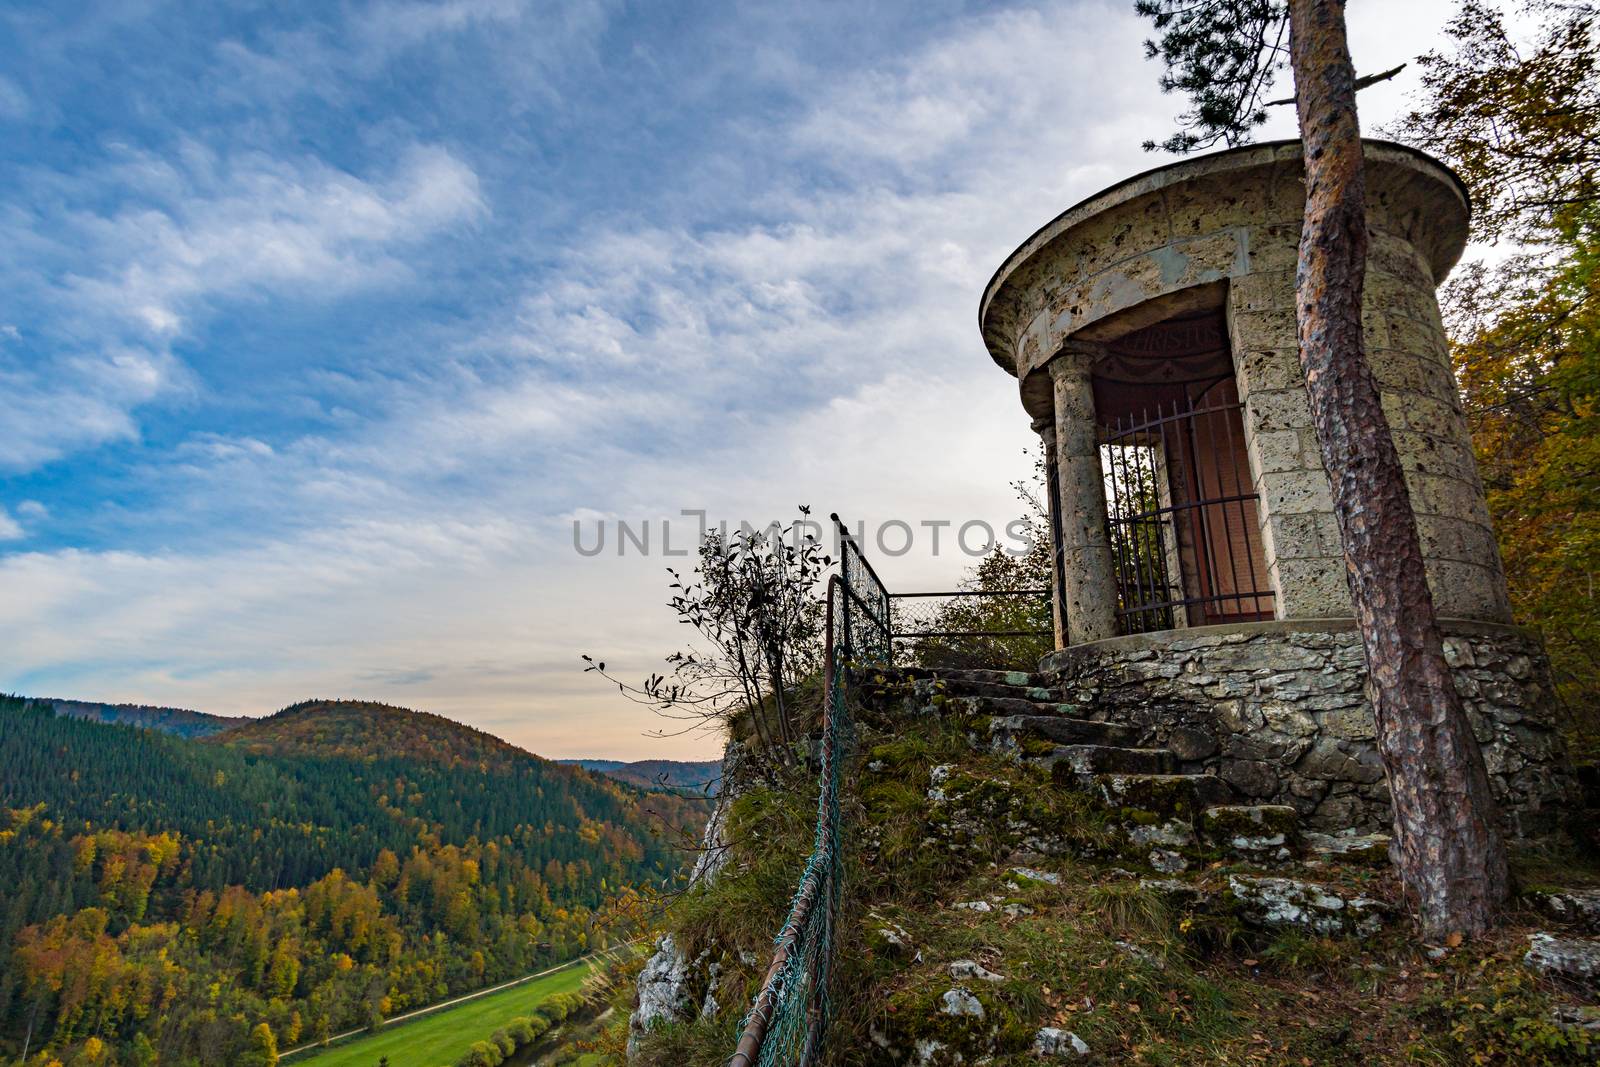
<point x="440" y="1038"/>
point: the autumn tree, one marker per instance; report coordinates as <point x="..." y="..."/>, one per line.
<point x="1519" y="121"/>
<point x="1225" y="54"/>
<point x="262" y="1050"/>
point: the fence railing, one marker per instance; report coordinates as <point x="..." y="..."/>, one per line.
<point x="864" y="625"/>
<point x="1006" y="628"/>
<point x="786" y="1023"/>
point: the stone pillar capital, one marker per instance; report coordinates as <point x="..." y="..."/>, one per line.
<point x="1076" y="359"/>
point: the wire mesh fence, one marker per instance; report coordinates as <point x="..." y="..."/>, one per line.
<point x="866" y="626"/>
<point x="1008" y="629"/>
<point x="786" y="1024"/>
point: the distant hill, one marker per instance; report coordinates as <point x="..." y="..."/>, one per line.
<point x="178" y="721"/>
<point x="364" y="730"/>
<point x="690" y="776"/>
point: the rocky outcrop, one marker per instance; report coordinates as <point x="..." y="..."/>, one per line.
<point x="664" y="993"/>
<point x="1575" y="959"/>
<point x="667" y="984"/>
<point x="1315" y="908"/>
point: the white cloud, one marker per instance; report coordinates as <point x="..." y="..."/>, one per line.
<point x="14" y="103"/>
<point x="199" y="230"/>
<point x="827" y="354"/>
<point x="236" y="226"/>
<point x="10" y="529"/>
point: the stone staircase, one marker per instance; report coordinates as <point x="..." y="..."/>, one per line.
<point x="1173" y="819"/>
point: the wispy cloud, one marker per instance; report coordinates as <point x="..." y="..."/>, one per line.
<point x="385" y="329"/>
<point x="115" y="289"/>
<point x="210" y="227"/>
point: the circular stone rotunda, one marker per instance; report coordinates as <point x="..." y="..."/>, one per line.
<point x="1200" y="591"/>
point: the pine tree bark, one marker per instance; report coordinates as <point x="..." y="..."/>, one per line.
<point x="1447" y="842"/>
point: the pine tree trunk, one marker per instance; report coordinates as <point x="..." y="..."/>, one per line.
<point x="1447" y="842"/>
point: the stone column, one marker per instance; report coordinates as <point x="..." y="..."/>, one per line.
<point x="1046" y="429"/>
<point x="1088" y="582"/>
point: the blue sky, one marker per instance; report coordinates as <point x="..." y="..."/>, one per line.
<point x="320" y="323"/>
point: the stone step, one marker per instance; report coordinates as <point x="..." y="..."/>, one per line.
<point x="1262" y="832"/>
<point x="1349" y="849"/>
<point x="1009" y="731"/>
<point x="951" y="675"/>
<point x="962" y="687"/>
<point x="1164" y="796"/>
<point x="1069" y="760"/>
<point x="1030" y="708"/>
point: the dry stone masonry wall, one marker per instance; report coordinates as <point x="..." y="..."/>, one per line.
<point x="1277" y="711"/>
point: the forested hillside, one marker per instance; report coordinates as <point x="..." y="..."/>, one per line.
<point x="699" y="777"/>
<point x="320" y="869"/>
<point x="178" y="721"/>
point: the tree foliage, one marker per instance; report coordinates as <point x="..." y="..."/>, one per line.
<point x="1221" y="54"/>
<point x="1520" y="124"/>
<point x="754" y="601"/>
<point x="167" y="898"/>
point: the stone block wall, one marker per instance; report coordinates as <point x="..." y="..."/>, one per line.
<point x="1409" y="355"/>
<point x="1277" y="710"/>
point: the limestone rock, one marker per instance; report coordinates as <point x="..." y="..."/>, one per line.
<point x="1054" y="1043"/>
<point x="1029" y="874"/>
<point x="1173" y="833"/>
<point x="1574" y="907"/>
<point x="1349" y="848"/>
<point x="959" y="1002"/>
<point x="1289" y="902"/>
<point x="889" y="939"/>
<point x="663" y="991"/>
<point x="1167" y="861"/>
<point x="1574" y="958"/>
<point x="964" y="969"/>
<point x="1254" y="831"/>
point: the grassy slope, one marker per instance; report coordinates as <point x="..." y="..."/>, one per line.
<point x="1141" y="976"/>
<point x="439" y="1039"/>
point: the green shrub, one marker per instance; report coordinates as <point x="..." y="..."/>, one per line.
<point x="481" y="1054"/>
<point x="503" y="1041"/>
<point x="1498" y="1014"/>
